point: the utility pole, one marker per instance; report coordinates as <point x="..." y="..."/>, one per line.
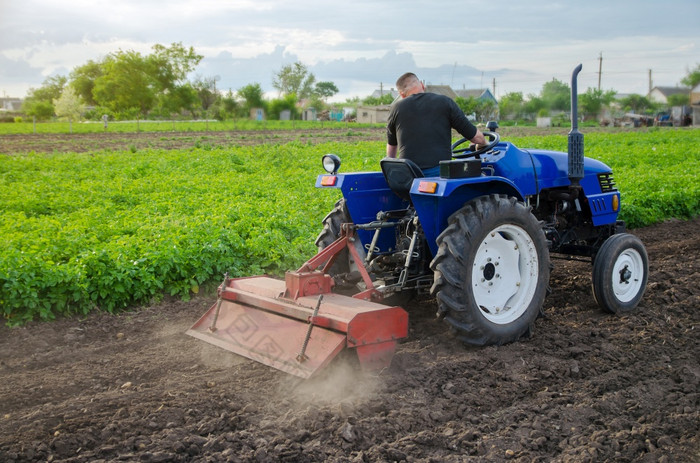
<point x="650" y="83"/>
<point x="381" y="89"/>
<point x="494" y="87"/>
<point x="600" y="68"/>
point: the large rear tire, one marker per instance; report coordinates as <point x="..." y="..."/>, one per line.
<point x="491" y="270"/>
<point x="620" y="273"/>
<point x="331" y="232"/>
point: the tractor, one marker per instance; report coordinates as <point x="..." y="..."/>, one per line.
<point x="479" y="238"/>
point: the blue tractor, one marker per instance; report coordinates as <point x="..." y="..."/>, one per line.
<point x="481" y="235"/>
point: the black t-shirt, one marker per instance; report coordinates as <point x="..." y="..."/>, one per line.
<point x="421" y="125"/>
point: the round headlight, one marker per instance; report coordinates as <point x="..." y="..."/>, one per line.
<point x="331" y="163"/>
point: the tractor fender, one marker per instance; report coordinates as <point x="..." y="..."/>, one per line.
<point x="449" y="195"/>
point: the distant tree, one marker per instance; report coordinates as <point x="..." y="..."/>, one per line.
<point x="41" y="109"/>
<point x="385" y="99"/>
<point x="556" y="95"/>
<point x="82" y="79"/>
<point x="637" y="103"/>
<point x="171" y="65"/>
<point x="468" y="105"/>
<point x="325" y="90"/>
<point x="534" y="106"/>
<point x="132" y="84"/>
<point x="511" y="105"/>
<point x="679" y="99"/>
<point x="252" y="96"/>
<point x="294" y="78"/>
<point x="593" y="101"/>
<point x="69" y="106"/>
<point x="39" y="102"/>
<point x="126" y="86"/>
<point x="693" y="77"/>
<point x="481" y="109"/>
<point x="287" y="102"/>
<point x="206" y="91"/>
<point x="225" y="107"/>
<point x="183" y="98"/>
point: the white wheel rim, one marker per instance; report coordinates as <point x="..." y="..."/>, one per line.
<point x="627" y="275"/>
<point x="505" y="274"/>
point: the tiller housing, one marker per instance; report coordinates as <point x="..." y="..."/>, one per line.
<point x="298" y="325"/>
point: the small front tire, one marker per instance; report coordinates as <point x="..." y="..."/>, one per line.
<point x="620" y="273"/>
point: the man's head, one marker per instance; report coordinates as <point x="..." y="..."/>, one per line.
<point x="408" y="84"/>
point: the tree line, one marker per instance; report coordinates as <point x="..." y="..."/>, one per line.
<point x="130" y="85"/>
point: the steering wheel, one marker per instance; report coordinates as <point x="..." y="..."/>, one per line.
<point x="469" y="152"/>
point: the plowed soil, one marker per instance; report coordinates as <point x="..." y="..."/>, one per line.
<point x="586" y="386"/>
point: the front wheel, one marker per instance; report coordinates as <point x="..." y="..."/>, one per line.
<point x="491" y="270"/>
<point x="620" y="273"/>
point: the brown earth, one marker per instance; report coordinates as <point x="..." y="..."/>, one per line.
<point x="82" y="142"/>
<point x="585" y="387"/>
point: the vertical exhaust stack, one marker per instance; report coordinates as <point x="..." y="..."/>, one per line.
<point x="575" y="137"/>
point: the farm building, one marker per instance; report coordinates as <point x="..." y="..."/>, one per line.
<point x="479" y="94"/>
<point x="661" y="94"/>
<point x="10" y="104"/>
<point x="695" y="104"/>
<point x="373" y="114"/>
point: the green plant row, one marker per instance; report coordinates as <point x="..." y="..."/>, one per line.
<point x="111" y="230"/>
<point x="170" y="126"/>
<point x="656" y="171"/>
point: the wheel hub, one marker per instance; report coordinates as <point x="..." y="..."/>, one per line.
<point x="504" y="273"/>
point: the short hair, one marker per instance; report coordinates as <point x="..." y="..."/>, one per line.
<point x="406" y="81"/>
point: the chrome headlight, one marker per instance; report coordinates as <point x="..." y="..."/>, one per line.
<point x="331" y="163"/>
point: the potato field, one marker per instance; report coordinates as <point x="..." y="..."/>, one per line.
<point x="113" y="244"/>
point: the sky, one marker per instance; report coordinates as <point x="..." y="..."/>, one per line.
<point x="362" y="46"/>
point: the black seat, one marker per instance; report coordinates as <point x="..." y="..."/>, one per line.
<point x="399" y="175"/>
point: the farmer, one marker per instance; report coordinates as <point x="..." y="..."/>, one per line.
<point x="420" y="126"/>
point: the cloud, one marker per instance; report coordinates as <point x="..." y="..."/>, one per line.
<point x="362" y="44"/>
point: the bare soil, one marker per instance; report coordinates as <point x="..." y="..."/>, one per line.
<point x="585" y="387"/>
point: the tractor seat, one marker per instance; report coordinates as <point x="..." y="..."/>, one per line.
<point x="399" y="175"/>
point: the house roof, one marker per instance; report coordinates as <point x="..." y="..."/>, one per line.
<point x="668" y="91"/>
<point x="441" y="90"/>
<point x="473" y="93"/>
<point x="380" y="92"/>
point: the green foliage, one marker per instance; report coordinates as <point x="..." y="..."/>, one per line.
<point x="69" y="105"/>
<point x="655" y="171"/>
<point x="288" y="102"/>
<point x="253" y="97"/>
<point x="111" y="230"/>
<point x="294" y="78"/>
<point x="385" y="99"/>
<point x="482" y="109"/>
<point x="593" y="101"/>
<point x="39" y="102"/>
<point x="638" y="104"/>
<point x="556" y="95"/>
<point x="692" y="78"/>
<point x="510" y="106"/>
<point x="82" y="79"/>
<point x="679" y="99"/>
<point x="325" y="89"/>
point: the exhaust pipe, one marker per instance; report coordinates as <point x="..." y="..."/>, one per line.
<point x="575" y="150"/>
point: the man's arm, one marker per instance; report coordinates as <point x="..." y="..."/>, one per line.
<point x="391" y="150"/>
<point x="479" y="138"/>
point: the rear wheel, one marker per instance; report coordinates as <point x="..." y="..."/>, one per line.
<point x="491" y="270"/>
<point x="620" y="273"/>
<point x="331" y="232"/>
